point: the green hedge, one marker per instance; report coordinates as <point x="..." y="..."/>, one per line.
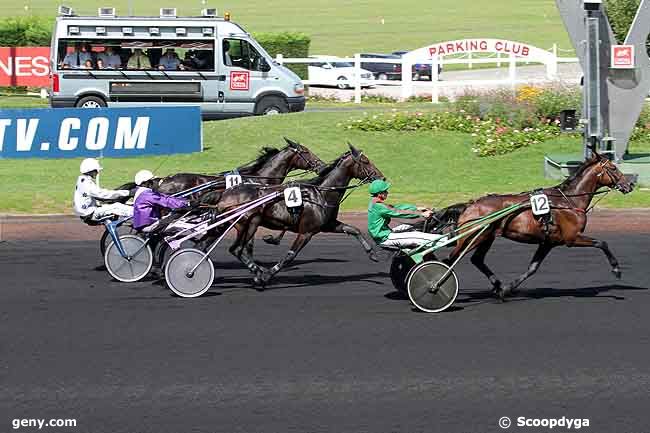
<point x="289" y="45"/>
<point x="25" y="31"/>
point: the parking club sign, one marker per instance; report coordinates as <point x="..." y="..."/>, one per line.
<point x="623" y="56"/>
<point x="239" y="80"/>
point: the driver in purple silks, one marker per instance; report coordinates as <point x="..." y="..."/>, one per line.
<point x="147" y="203"/>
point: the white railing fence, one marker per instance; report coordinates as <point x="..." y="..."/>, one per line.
<point x="436" y="85"/>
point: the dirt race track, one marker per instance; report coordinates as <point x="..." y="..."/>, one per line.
<point x="329" y="347"/>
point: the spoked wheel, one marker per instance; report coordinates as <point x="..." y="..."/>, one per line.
<point x="399" y="270"/>
<point x="124" y="229"/>
<point x="163" y="251"/>
<point x="137" y="264"/>
<point x="426" y="290"/>
<point x="178" y="276"/>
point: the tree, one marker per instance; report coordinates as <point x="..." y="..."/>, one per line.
<point x="621" y="13"/>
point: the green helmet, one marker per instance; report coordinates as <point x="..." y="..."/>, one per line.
<point x="378" y="186"/>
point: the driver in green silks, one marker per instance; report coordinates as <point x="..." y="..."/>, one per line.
<point x="380" y="214"/>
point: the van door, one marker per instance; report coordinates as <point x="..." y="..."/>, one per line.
<point x="244" y="79"/>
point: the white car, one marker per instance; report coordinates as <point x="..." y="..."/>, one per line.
<point x="329" y="72"/>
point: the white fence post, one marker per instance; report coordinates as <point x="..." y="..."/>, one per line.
<point x="435" y="97"/>
<point x="279" y="58"/>
<point x="470" y="64"/>
<point x="498" y="60"/>
<point x="512" y="72"/>
<point x="551" y="67"/>
<point x="357" y="78"/>
<point x="407" y="78"/>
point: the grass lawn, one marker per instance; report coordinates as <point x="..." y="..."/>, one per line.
<point x="341" y="27"/>
<point x="430" y="168"/>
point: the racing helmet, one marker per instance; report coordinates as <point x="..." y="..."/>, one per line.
<point x="142" y="176"/>
<point x="377" y="186"/>
<point x="88" y="165"/>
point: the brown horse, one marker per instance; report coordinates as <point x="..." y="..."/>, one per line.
<point x="569" y="202"/>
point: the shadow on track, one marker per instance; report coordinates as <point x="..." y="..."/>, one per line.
<point x="471" y="300"/>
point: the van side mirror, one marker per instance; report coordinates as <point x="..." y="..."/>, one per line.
<point x="264" y="65"/>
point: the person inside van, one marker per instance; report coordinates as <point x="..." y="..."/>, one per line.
<point x="227" y="60"/>
<point x="88" y="64"/>
<point x="170" y="61"/>
<point x="100" y="64"/>
<point x="76" y="59"/>
<point x="110" y="59"/>
<point x="138" y="60"/>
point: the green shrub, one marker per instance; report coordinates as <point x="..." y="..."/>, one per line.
<point x="550" y="102"/>
<point x="289" y="45"/>
<point x="25" y="31"/>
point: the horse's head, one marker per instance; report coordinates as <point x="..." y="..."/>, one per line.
<point x="304" y="159"/>
<point x="363" y="168"/>
<point x="609" y="175"/>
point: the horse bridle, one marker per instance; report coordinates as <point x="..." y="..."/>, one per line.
<point x="615" y="177"/>
<point x="367" y="176"/>
<point x="313" y="166"/>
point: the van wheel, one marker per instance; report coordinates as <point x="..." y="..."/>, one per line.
<point x="271" y="105"/>
<point x="342" y="83"/>
<point x="91" y="102"/>
<point x="382" y="77"/>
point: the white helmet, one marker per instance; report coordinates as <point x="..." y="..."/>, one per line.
<point x="88" y="165"/>
<point x="142" y="176"/>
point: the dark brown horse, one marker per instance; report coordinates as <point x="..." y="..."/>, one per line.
<point x="271" y="167"/>
<point x="321" y="199"/>
<point x="569" y="202"/>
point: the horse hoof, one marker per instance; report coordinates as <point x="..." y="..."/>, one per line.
<point x="259" y="283"/>
<point x="271" y="240"/>
<point x="502" y="294"/>
<point x="617" y="273"/>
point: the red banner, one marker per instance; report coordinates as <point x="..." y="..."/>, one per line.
<point x="25" y="66"/>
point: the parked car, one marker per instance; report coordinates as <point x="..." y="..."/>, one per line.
<point x="421" y="71"/>
<point x="383" y="71"/>
<point x="327" y="71"/>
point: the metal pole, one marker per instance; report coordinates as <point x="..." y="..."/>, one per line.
<point x="593" y="131"/>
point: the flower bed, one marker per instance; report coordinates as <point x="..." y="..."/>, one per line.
<point x="500" y="120"/>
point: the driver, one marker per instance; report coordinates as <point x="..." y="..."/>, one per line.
<point x="380" y="213"/>
<point x="87" y="192"/>
<point x="148" y="203"/>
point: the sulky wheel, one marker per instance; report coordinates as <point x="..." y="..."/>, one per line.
<point x="427" y="292"/>
<point x="399" y="270"/>
<point x="124" y="229"/>
<point x="135" y="266"/>
<point x="178" y="276"/>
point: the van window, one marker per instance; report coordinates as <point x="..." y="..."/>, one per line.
<point x="240" y="53"/>
<point x="186" y="55"/>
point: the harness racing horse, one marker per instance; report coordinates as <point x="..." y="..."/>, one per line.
<point x="321" y="198"/>
<point x="569" y="203"/>
<point x="271" y="167"/>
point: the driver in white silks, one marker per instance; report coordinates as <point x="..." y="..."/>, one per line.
<point x="380" y="214"/>
<point x="87" y="192"/>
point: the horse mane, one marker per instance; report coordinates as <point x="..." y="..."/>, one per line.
<point x="325" y="171"/>
<point x="265" y="154"/>
<point x="578" y="173"/>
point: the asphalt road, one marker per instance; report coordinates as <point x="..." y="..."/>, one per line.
<point x="329" y="348"/>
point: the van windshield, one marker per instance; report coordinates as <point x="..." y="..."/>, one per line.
<point x="185" y="55"/>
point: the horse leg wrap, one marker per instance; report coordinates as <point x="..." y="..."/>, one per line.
<point x="251" y="265"/>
